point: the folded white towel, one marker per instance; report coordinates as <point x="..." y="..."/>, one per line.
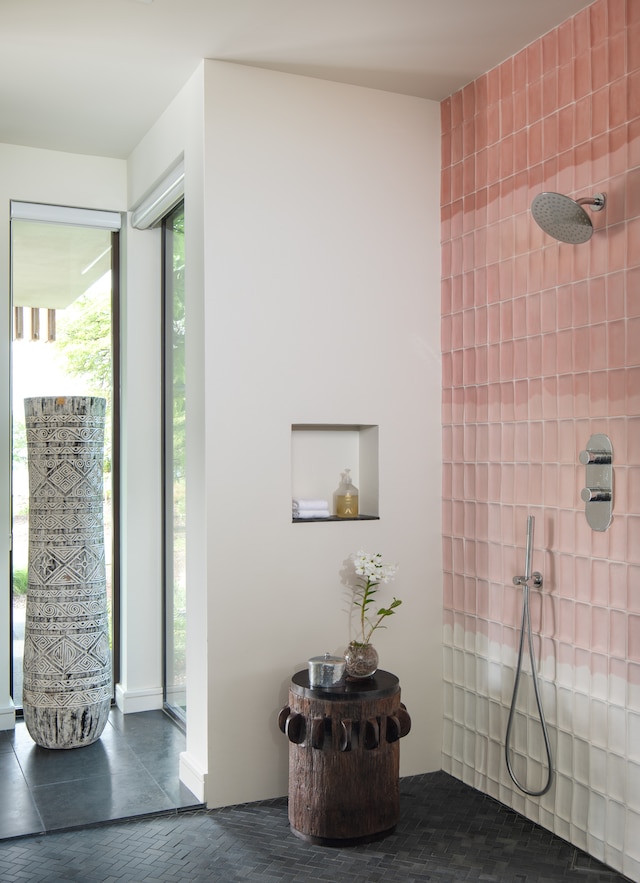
<point x="309" y="504"/>
<point x="311" y="513"/>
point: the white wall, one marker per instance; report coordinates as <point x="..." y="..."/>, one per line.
<point x="321" y="305"/>
<point x="56" y="178"/>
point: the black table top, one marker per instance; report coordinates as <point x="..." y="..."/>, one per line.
<point x="382" y="683"/>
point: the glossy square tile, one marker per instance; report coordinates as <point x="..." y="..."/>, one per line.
<point x="131" y="770"/>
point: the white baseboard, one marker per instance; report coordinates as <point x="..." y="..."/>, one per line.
<point x="132" y="701"/>
<point x="8" y="716"/>
<point x="193" y="776"/>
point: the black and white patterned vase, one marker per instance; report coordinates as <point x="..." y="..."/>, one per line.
<point x="67" y="660"/>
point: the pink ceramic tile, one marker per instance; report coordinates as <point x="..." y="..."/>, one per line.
<point x="456" y="368"/>
<point x="633" y="538"/>
<point x="551" y="473"/>
<point x="506" y="78"/>
<point x="567" y="495"/>
<point x="633" y="96"/>
<point x="506" y="156"/>
<point x="616" y="338"/>
<point x="493" y="86"/>
<point x="482" y="367"/>
<point x="583" y="624"/>
<point x="618" y="540"/>
<point x="468" y="368"/>
<point x="534" y="102"/>
<point x="633" y="52"/>
<point x="550" y="50"/>
<point x="468" y="174"/>
<point x="633" y="342"/>
<point x="445" y="115"/>
<point x="597" y="347"/>
<point x="550" y="266"/>
<point x="456" y="109"/>
<point x="568" y="446"/>
<point x="481" y="159"/>
<point x="446" y="403"/>
<point x="534" y="61"/>
<point x="535" y="398"/>
<point x="468" y="101"/>
<point x="534" y="360"/>
<point x="521" y="401"/>
<point x="549" y="383"/>
<point x="599" y="160"/>
<point x="600" y="110"/>
<point x="507" y="445"/>
<point x="583" y="125"/>
<point x="633" y="242"/>
<point x="566" y="629"/>
<point x="581" y="402"/>
<point x="618" y="586"/>
<point x="520" y="150"/>
<point x="600" y="579"/>
<point x="456" y="145"/>
<point x="565" y="42"/>
<point x="581" y="349"/>
<point x="633" y="594"/>
<point x="581" y="32"/>
<point x="565" y="395"/>
<point x="506" y="116"/>
<point x="534" y="435"/>
<point x="599" y="65"/>
<point x="566" y="91"/>
<point x="582" y="74"/>
<point x="481" y="94"/>
<point x="549" y="91"/>
<point x="550" y="126"/>
<point x="550" y="446"/>
<point x="617" y="53"/>
<point x="598" y="22"/>
<point x="598" y="394"/>
<point x="618" y="633"/>
<point x="565" y="351"/>
<point x="600" y="629"/>
<point x="535" y="484"/>
<point x="633" y="395"/>
<point x="618" y="97"/>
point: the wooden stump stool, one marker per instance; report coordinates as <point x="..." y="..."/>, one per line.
<point x="344" y="758"/>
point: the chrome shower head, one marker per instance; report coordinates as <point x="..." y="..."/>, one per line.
<point x="564" y="218"/>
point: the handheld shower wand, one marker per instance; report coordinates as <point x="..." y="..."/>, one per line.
<point x="525" y="628"/>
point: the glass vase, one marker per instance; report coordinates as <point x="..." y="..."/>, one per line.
<point x="362" y="660"/>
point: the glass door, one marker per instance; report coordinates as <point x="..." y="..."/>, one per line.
<point x="64" y="300"/>
<point x="174" y="457"/>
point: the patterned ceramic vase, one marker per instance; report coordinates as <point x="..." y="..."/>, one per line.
<point x="67" y="662"/>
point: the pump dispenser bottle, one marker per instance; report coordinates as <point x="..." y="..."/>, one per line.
<point x="346" y="497"/>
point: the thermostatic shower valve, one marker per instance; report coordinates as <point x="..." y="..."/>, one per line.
<point x="598" y="493"/>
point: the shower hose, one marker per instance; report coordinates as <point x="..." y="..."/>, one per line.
<point x="525" y="630"/>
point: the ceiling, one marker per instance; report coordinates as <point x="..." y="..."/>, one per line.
<point x="91" y="76"/>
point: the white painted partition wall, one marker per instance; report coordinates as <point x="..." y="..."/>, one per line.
<point x="312" y="297"/>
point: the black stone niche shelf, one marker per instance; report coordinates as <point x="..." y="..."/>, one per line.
<point x="336" y="518"/>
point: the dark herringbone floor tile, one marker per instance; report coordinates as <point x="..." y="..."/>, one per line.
<point x="447" y="833"/>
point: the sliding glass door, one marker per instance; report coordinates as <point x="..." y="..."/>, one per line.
<point x="64" y="305"/>
<point x="175" y="678"/>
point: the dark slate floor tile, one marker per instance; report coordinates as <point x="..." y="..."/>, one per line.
<point x="102" y="798"/>
<point x="447" y="832"/>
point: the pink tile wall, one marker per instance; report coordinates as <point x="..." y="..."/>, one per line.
<point x="541" y="349"/>
<point x="541" y="340"/>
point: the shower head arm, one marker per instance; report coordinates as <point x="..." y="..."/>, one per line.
<point x="596" y="202"/>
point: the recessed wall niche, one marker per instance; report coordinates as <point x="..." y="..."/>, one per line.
<point x="320" y="452"/>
